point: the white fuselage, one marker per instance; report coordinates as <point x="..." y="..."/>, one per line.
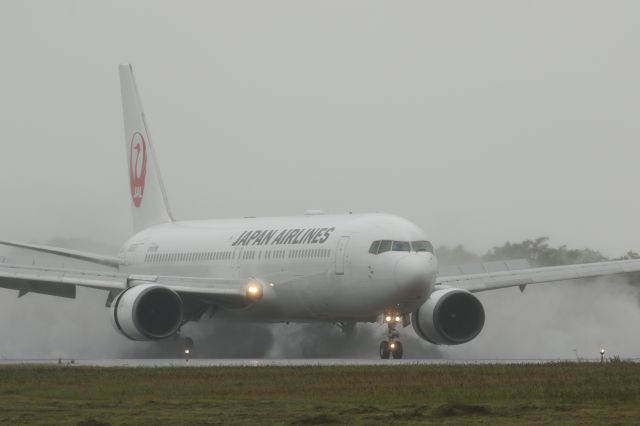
<point x="314" y="267"/>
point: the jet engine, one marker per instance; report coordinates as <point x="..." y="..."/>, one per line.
<point x="147" y="312"/>
<point x="449" y="317"/>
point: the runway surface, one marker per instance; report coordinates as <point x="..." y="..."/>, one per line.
<point x="275" y="362"/>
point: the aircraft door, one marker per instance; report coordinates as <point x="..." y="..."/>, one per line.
<point x="235" y="260"/>
<point x="341" y="254"/>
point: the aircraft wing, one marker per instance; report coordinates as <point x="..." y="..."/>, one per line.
<point x="62" y="282"/>
<point x="521" y="278"/>
<point x="73" y="254"/>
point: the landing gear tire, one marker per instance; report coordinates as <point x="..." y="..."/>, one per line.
<point x="385" y="351"/>
<point x="188" y="348"/>
<point x="396" y="352"/>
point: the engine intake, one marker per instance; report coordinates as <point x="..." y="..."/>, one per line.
<point x="449" y="317"/>
<point x="147" y="312"/>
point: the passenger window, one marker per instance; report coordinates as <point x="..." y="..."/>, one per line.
<point x="385" y="245"/>
<point x="401" y="246"/>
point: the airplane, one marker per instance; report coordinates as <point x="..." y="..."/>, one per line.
<point x="341" y="269"/>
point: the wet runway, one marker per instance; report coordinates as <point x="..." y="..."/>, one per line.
<point x="199" y="362"/>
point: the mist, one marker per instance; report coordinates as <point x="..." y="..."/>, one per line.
<point x="558" y="320"/>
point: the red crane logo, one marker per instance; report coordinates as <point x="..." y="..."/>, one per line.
<point x="137" y="167"/>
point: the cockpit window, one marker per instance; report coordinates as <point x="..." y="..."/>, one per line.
<point x="374" y="247"/>
<point x="385" y="245"/>
<point x="380" y="246"/>
<point x="422" y="246"/>
<point x="401" y="246"/>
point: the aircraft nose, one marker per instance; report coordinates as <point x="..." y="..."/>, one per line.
<point x="415" y="274"/>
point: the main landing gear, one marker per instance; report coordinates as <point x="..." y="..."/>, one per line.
<point x="392" y="347"/>
<point x="188" y="348"/>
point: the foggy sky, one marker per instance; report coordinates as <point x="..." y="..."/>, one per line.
<point x="481" y="122"/>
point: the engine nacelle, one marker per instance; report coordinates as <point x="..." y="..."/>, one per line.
<point x="147" y="312"/>
<point x="449" y="317"/>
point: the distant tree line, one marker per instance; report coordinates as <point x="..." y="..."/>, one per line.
<point x="537" y="252"/>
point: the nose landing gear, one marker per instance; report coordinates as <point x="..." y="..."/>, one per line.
<point x="392" y="347"/>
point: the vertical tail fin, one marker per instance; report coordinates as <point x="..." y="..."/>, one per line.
<point x="148" y="197"/>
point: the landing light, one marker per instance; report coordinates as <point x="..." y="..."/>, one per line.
<point x="254" y="290"/>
